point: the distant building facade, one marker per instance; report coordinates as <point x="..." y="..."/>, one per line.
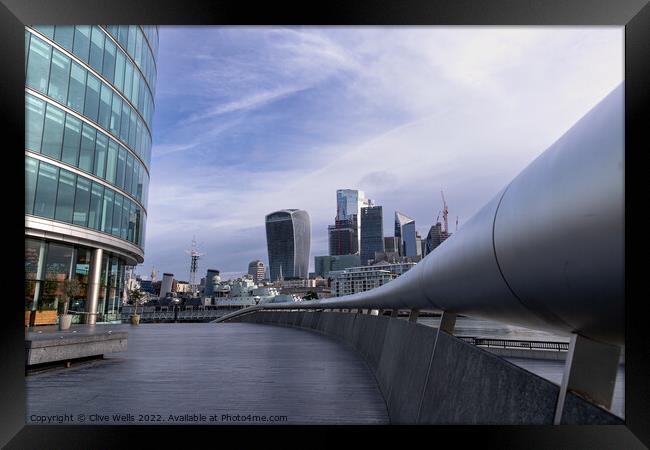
<point x="342" y="237"/>
<point x="288" y="238"/>
<point x="257" y="270"/>
<point x="372" y="232"/>
<point x="208" y="288"/>
<point x="323" y="265"/>
<point x="360" y="279"/>
<point x="435" y="237"/>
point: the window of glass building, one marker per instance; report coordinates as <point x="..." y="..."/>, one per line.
<point x="128" y="178"/>
<point x="71" y="140"/>
<point x="59" y="76"/>
<point x="121" y="163"/>
<point x="107" y="211"/>
<point x="111" y="161"/>
<point x="124" y="126"/>
<point x="65" y="196"/>
<point x="57" y="269"/>
<point x="92" y="97"/>
<point x="53" y="132"/>
<point x="120" y="65"/>
<point x="38" y="65"/>
<point x="46" y="186"/>
<point x="125" y="218"/>
<point x="81" y="41"/>
<point x="81" y="202"/>
<point x="105" y="99"/>
<point x="108" y="68"/>
<point x="117" y="215"/>
<point x="64" y="34"/>
<point x="31" y="174"/>
<point x="87" y="152"/>
<point x="77" y="90"/>
<point x="34" y="117"/>
<point x="46" y="30"/>
<point x="116" y="110"/>
<point x="101" y="149"/>
<point x="96" y="48"/>
<point x="95" y="209"/>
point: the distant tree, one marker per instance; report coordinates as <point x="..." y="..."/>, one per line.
<point x="310" y="295"/>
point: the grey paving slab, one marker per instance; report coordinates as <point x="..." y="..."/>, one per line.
<point x="215" y="369"/>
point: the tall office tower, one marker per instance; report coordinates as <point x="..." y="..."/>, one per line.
<point x="88" y="112"/>
<point x="372" y="232"/>
<point x="342" y="237"/>
<point x="288" y="236"/>
<point x="256" y="270"/>
<point x="405" y="234"/>
<point x="435" y="237"/>
<point x="208" y="284"/>
<point x="349" y="203"/>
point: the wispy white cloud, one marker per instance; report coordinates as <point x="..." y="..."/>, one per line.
<point x="399" y="112"/>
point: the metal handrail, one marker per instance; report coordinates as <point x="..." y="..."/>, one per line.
<point x="516" y="343"/>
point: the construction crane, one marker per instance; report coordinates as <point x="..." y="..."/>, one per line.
<point x="438" y="218"/>
<point x="445" y="212"/>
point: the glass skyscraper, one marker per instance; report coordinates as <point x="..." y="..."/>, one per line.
<point x="405" y="234"/>
<point x="288" y="237"/>
<point x="372" y="232"/>
<point x="89" y="106"/>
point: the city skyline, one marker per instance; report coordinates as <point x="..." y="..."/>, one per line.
<point x="271" y="118"/>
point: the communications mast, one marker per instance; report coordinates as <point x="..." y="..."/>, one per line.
<point x="194" y="265"/>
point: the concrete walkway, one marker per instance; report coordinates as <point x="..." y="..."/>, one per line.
<point x="199" y="373"/>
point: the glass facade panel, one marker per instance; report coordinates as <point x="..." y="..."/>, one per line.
<point x="59" y="76"/>
<point x="63" y="34"/>
<point x="128" y="178"/>
<point x="38" y="66"/>
<point x="132" y="130"/>
<point x="100" y="155"/>
<point x="65" y="196"/>
<point x="92" y="97"/>
<point x="81" y="41"/>
<point x="116" y="110"/>
<point x="34" y="117"/>
<point x="124" y="126"/>
<point x="128" y="78"/>
<point x="77" y="91"/>
<point x="117" y="215"/>
<point x="47" y="30"/>
<point x="31" y="174"/>
<point x="105" y="99"/>
<point x="96" y="48"/>
<point x="107" y="211"/>
<point x="95" y="209"/>
<point x="120" y="65"/>
<point x="124" y="225"/>
<point x="111" y="161"/>
<point x="81" y="202"/>
<point x="57" y="269"/>
<point x="131" y="230"/>
<point x="121" y="164"/>
<point x="46" y="186"/>
<point x="53" y="132"/>
<point x="87" y="153"/>
<point x="108" y="68"/>
<point x="71" y="140"/>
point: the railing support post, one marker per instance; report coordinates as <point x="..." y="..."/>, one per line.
<point x="394" y="312"/>
<point x="413" y="315"/>
<point x="589" y="370"/>
<point x="448" y="322"/>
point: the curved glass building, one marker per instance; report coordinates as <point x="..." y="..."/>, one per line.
<point x="288" y="238"/>
<point x="89" y="106"/>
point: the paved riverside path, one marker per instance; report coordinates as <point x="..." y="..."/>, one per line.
<point x="214" y="369"/>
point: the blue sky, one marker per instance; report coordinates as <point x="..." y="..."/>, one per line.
<point x="249" y="120"/>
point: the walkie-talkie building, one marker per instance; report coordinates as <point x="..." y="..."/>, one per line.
<point x="288" y="237"/>
<point x="89" y="105"/>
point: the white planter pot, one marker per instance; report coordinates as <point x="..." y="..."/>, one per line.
<point x="65" y="320"/>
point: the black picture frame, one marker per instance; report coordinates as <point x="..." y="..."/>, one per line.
<point x="634" y="15"/>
